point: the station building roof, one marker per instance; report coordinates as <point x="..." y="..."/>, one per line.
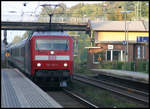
<point x="139" y="26"/>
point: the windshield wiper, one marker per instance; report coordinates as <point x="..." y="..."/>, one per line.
<point x="66" y="46"/>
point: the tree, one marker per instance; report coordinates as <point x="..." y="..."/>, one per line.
<point x="44" y="15"/>
<point x="145" y="9"/>
<point x="98" y="10"/>
<point x="26" y="34"/>
<point x="119" y="15"/>
<point x="16" y="39"/>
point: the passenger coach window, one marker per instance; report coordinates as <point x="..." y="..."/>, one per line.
<point x="51" y="44"/>
<point x="22" y="51"/>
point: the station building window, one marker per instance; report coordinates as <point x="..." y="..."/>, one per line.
<point x="22" y="52"/>
<point x="11" y="52"/>
<point x="138" y="52"/>
<point x="17" y="51"/>
<point x="115" y="55"/>
<point x="108" y="55"/>
<point x="144" y="51"/>
<point x="14" y="52"/>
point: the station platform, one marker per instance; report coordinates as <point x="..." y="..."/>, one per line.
<point x="130" y="75"/>
<point x="20" y="92"/>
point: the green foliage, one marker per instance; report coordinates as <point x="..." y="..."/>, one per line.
<point x="83" y="41"/>
<point x="147" y="67"/>
<point x="16" y="39"/>
<point x="106" y="65"/>
<point x="111" y="65"/>
<point x="141" y="66"/>
<point x="128" y="66"/>
<point x="111" y="11"/>
<point x="26" y="34"/>
<point x="145" y="9"/>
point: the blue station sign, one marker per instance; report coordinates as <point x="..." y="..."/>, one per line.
<point x="124" y="42"/>
<point x="142" y="39"/>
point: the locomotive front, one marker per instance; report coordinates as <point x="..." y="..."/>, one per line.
<point x="52" y="56"/>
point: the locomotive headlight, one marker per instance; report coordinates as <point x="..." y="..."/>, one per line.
<point x="65" y="64"/>
<point x="38" y="64"/>
<point x="52" y="52"/>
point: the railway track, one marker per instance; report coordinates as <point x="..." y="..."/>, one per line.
<point x="144" y="87"/>
<point x="69" y="99"/>
<point x="121" y="90"/>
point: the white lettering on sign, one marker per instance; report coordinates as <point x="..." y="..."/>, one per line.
<point x="110" y="46"/>
<point x="52" y="58"/>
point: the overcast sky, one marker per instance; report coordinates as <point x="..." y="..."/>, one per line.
<point x="9" y="8"/>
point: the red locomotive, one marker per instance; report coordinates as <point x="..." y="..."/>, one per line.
<point x="44" y="55"/>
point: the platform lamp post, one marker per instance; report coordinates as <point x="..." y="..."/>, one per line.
<point x="126" y="34"/>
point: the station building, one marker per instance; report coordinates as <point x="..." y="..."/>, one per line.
<point x="110" y="41"/>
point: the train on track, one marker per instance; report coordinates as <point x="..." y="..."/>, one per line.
<point x="47" y="55"/>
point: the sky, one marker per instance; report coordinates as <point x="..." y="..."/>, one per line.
<point x="10" y="8"/>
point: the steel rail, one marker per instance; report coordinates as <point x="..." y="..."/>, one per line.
<point x="116" y="85"/>
<point x="114" y="88"/>
<point x="79" y="98"/>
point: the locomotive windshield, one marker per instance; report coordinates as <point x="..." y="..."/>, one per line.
<point x="51" y="44"/>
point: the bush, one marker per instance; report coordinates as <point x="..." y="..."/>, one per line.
<point x="147" y="67"/>
<point x="111" y="65"/>
<point x="142" y="66"/>
<point x="119" y="65"/>
<point x="106" y="65"/>
<point x="128" y="66"/>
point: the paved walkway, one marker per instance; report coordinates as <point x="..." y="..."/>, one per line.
<point x="135" y="76"/>
<point x="20" y="92"/>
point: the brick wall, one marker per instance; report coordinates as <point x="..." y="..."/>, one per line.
<point x="132" y="52"/>
<point x="90" y="61"/>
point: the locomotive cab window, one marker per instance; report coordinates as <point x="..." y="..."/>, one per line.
<point x="51" y="44"/>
